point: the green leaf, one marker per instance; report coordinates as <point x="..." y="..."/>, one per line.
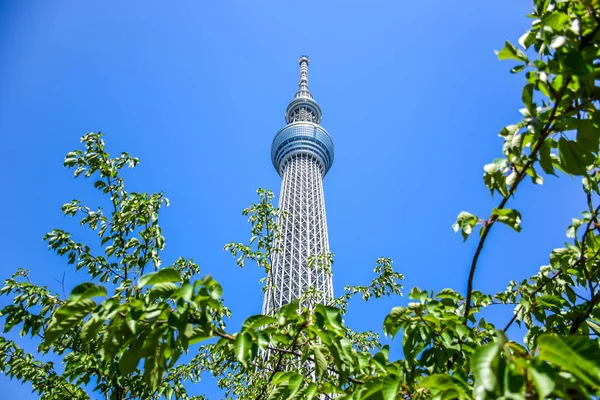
<point x="341" y="350"/>
<point x="509" y="217"/>
<point x="320" y="361"/>
<point x="328" y="388"/>
<point x="465" y="223"/>
<point x="286" y="385"/>
<point x="512" y="381"/>
<point x="588" y="135"/>
<point x="130" y="358"/>
<point x="571" y="159"/>
<point x="216" y="291"/>
<point x="462" y="331"/>
<point x="510" y="52"/>
<point x="546" y="158"/>
<point x="558" y="41"/>
<point x="311" y="391"/>
<point x="527" y="39"/>
<point x="90" y="328"/>
<point x="484" y="366"/>
<point x="371" y="390"/>
<point x="197" y="335"/>
<point x="556" y="20"/>
<point x="153" y="365"/>
<point x="332" y="316"/>
<point x="380" y="388"/>
<point x="395" y="320"/>
<point x="293" y="385"/>
<point x="66" y="317"/>
<point x="593" y="326"/>
<point x="509" y="131"/>
<point x="527" y="96"/>
<point x="448" y="293"/>
<point x="550" y="302"/>
<point x="163" y="290"/>
<point x="186" y="291"/>
<point x="543" y="377"/>
<point x="242" y="344"/>
<point x="576" y="64"/>
<point x="257" y="321"/>
<point x="443" y="386"/>
<point x="86" y="291"/>
<point x="389" y="387"/>
<point x="162" y="276"/>
<point x="543" y="88"/>
<point x="212" y="285"/>
<point x="577" y="355"/>
<point x="590" y="184"/>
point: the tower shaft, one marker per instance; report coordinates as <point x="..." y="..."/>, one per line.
<point x="302" y="153"/>
<point x="303" y="234"/>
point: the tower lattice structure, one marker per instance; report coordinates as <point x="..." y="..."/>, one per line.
<point x="302" y="153"/>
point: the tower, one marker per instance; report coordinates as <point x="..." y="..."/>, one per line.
<point x="302" y="153"/>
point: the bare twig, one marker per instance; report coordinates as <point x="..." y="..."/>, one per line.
<point x="62" y="282"/>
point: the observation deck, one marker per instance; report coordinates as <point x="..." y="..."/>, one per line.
<point x="302" y="137"/>
<point x="303" y="133"/>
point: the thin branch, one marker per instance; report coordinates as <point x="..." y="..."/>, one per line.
<point x="587" y="39"/>
<point x="577" y="322"/>
<point x="280" y="350"/>
<point x="104" y="264"/>
<point x="519" y="307"/>
<point x="486" y="230"/>
<point x="279" y="361"/>
<point x="62" y="282"/>
<point x="593" y="299"/>
<point x="270" y="286"/>
<point x="65" y="385"/>
<point x="581" y="297"/>
<point x="146" y="245"/>
<point x="579" y="261"/>
<point x="222" y="334"/>
<point x="309" y="358"/>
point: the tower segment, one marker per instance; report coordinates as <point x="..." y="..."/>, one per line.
<point x="302" y="153"/>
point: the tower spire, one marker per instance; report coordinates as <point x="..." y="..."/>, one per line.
<point x="303" y="107"/>
<point x="303" y="84"/>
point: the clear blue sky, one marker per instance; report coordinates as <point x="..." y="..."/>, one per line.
<point x="411" y="92"/>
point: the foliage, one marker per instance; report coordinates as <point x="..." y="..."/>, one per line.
<point x="121" y="335"/>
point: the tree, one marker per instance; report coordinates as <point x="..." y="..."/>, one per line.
<point x="121" y="334"/>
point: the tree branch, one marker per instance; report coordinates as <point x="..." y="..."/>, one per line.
<point x="311" y="359"/>
<point x="286" y="351"/>
<point x="579" y="261"/>
<point x="578" y="321"/>
<point x="486" y="230"/>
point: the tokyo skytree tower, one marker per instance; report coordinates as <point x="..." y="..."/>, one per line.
<point x="302" y="153"/>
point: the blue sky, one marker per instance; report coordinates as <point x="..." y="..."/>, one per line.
<point x="411" y="92"/>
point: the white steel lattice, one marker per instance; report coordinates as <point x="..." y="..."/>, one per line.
<point x="303" y="233"/>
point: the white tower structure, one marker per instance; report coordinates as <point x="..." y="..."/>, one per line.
<point x="302" y="153"/>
